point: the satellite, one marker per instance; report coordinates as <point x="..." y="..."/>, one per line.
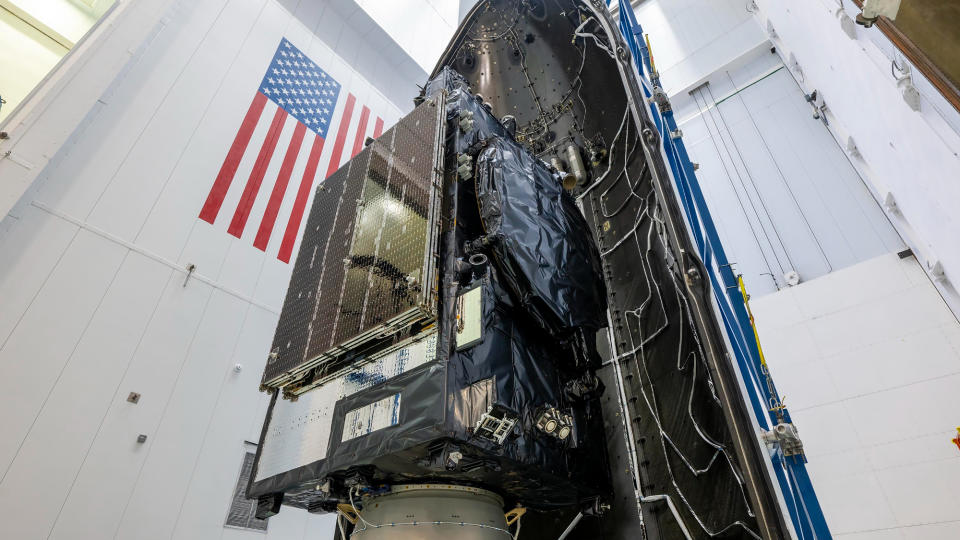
<point x="496" y="318"/>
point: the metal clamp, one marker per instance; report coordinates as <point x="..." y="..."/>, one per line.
<point x="466" y="121"/>
<point x="465" y="166"/>
<point x="784" y="434"/>
<point x="553" y="422"/>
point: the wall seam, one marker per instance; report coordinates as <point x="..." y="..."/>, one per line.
<point x="69" y="356"/>
<point x="153" y="256"/>
<point x="103" y="419"/>
<point x="163" y="413"/>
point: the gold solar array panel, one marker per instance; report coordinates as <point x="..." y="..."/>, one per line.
<point x="366" y="268"/>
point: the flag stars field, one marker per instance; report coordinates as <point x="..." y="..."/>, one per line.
<point x="289" y="83"/>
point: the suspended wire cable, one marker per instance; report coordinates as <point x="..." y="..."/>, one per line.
<point x="626" y="112"/>
<point x="756" y="189"/>
<point x="783" y="177"/>
<point x="593" y="36"/>
<point x="746" y="192"/>
<point x="729" y="176"/>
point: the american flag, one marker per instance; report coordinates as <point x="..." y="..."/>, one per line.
<point x="298" y="90"/>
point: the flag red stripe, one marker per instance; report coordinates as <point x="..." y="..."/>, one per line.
<point x="229" y="168"/>
<point x="378" y="128"/>
<point x="256" y="175"/>
<point x="341" y="136"/>
<point x="300" y="203"/>
<point x="279" y="189"/>
<point x="361" y="131"/>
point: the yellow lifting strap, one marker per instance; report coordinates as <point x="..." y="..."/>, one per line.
<point x="653" y="65"/>
<point x="349" y="512"/>
<point x="776" y="402"/>
<point x="756" y="336"/>
<point x="514" y="515"/>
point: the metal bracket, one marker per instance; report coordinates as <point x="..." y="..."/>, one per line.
<point x="784" y="434"/>
<point x="465" y="168"/>
<point x="661" y="99"/>
<point x="466" y="121"/>
<point x="495" y="424"/>
<point x="553" y="422"/>
<point x="874" y="9"/>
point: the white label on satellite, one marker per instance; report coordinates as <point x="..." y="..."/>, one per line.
<point x="299" y="431"/>
<point x="389" y="366"/>
<point x="371" y="417"/>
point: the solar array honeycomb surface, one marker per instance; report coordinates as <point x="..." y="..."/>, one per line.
<point x="366" y="260"/>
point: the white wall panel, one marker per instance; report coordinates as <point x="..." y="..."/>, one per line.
<point x="782" y="192"/>
<point x="185" y="418"/>
<point x="71" y="93"/>
<point x="936" y="531"/>
<point x="171" y="221"/>
<point x="869" y="362"/>
<point x="38" y="480"/>
<point x="107" y="480"/>
<point x="206" y="247"/>
<point x="204" y="506"/>
<point x="308" y="13"/>
<point x="853" y="215"/>
<point x="204" y="50"/>
<point x="293" y="525"/>
<point x="320" y="527"/>
<point x="691" y="39"/>
<point x="423" y="27"/>
<point x="914" y="155"/>
<point x="241" y="267"/>
<point x="332" y="26"/>
<point x="33" y="357"/>
<point x="28" y="263"/>
<point x="95" y="165"/>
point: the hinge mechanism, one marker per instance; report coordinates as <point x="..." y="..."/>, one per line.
<point x="785" y="435"/>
